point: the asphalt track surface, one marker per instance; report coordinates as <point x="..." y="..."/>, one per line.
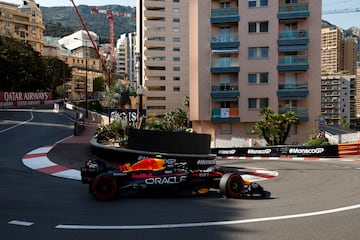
<point x="310" y="199"/>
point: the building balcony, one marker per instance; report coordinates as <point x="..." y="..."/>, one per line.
<point x="293" y="91"/>
<point x="225" y="41"/>
<point x="293" y="11"/>
<point x="226" y="15"/>
<point x="219" y="66"/>
<point x="152" y="3"/>
<point x="225" y="115"/>
<point x="293" y="38"/>
<point x="302" y="113"/>
<point x="227" y="93"/>
<point x="293" y="63"/>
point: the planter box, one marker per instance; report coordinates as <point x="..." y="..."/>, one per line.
<point x="169" y="142"/>
<point x="192" y="148"/>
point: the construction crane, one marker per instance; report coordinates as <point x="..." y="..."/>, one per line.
<point x="107" y="68"/>
<point x="345" y="10"/>
<point x="110" y="15"/>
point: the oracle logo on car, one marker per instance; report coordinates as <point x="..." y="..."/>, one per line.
<point x="165" y="180"/>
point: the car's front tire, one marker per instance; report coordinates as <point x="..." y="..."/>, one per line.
<point x="231" y="185"/>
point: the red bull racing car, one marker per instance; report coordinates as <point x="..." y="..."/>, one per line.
<point x="155" y="175"/>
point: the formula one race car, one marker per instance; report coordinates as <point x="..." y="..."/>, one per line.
<point x="155" y="175"/>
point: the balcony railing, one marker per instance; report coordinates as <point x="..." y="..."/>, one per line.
<point x="294" y="11"/>
<point x="228" y="15"/>
<point x="302" y="86"/>
<point x="293" y="60"/>
<point x="224" y="88"/>
<point x="291" y="91"/>
<point x="225" y="38"/>
<point x="291" y="8"/>
<point x="302" y="113"/>
<point x="293" y="35"/>
<point x="224" y="12"/>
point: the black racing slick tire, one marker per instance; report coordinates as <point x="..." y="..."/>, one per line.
<point x="231" y="185"/>
<point x="104" y="187"/>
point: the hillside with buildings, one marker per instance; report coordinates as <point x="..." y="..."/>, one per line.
<point x="352" y="32"/>
<point x="62" y="21"/>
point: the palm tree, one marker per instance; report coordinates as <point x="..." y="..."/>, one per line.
<point x="275" y="128"/>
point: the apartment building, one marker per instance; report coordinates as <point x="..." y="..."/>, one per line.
<point x="23" y="22"/>
<point x="337" y="52"/>
<point x="165" y="62"/>
<point x="338" y="100"/>
<point x="357" y="87"/>
<point x="126" y="58"/>
<point x="79" y="54"/>
<point x="247" y="55"/>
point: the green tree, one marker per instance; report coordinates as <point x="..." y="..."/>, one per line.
<point x="23" y="69"/>
<point x="123" y="93"/>
<point x="99" y="84"/>
<point x="275" y="127"/>
<point x="55" y="72"/>
<point x="176" y="119"/>
<point x="21" y="66"/>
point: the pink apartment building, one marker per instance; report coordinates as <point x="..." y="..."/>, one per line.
<point x="246" y="55"/>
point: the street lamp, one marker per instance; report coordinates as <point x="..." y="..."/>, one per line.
<point x="109" y="81"/>
<point x="86" y="76"/>
<point x="141" y="68"/>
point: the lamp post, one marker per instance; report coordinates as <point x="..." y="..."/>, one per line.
<point x="141" y="68"/>
<point x="86" y="76"/>
<point x="109" y="82"/>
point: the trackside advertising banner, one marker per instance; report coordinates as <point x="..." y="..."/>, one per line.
<point x="10" y="99"/>
<point x="276" y="151"/>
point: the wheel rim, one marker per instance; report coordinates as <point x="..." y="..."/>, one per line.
<point x="104" y="188"/>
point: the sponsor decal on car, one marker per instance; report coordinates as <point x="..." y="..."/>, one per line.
<point x="165" y="180"/>
<point x="206" y="162"/>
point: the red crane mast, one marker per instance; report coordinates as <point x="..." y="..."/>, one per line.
<point x="110" y="15"/>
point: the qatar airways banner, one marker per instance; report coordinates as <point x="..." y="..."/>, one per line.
<point x="9" y="99"/>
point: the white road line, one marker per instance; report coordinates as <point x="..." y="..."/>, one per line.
<point x="203" y="224"/>
<point x="19" y="124"/>
<point x="21" y="223"/>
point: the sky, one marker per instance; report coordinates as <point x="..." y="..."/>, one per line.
<point x="57" y="3"/>
<point x="343" y="20"/>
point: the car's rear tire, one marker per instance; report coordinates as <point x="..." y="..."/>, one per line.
<point x="231" y="185"/>
<point x="104" y="187"/>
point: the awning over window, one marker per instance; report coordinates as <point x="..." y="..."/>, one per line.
<point x="293" y="48"/>
<point x="225" y="50"/>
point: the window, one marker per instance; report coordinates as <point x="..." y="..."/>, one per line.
<point x="258" y="27"/>
<point x="176" y="89"/>
<point x="176" y="69"/>
<point x="258" y="52"/>
<point x="176" y="1"/>
<point x="176" y="39"/>
<point x="176" y="20"/>
<point x="176" y="29"/>
<point x="258" y="103"/>
<point x="225" y="5"/>
<point x="258" y="78"/>
<point x="176" y="78"/>
<point x="156" y="68"/>
<point x="176" y="10"/>
<point x="290" y="1"/>
<point x="257" y="3"/>
<point x="156" y="88"/>
<point x="225" y="128"/>
<point x="176" y="49"/>
<point x="176" y="59"/>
